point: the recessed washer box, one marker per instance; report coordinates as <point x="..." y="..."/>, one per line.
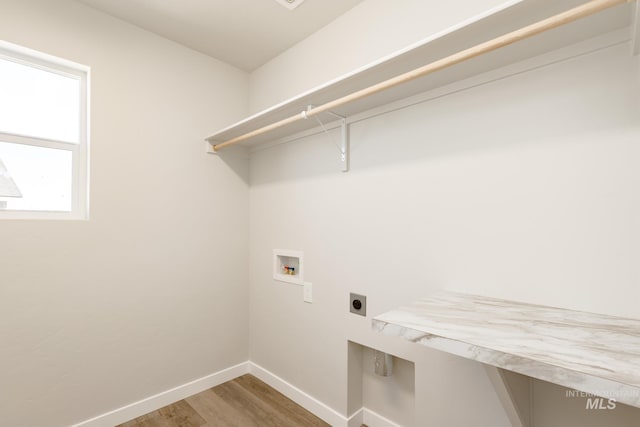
<point x="288" y="266"/>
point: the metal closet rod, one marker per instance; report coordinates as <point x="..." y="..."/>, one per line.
<point x="555" y="21"/>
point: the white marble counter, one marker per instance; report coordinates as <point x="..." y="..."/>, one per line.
<point x="589" y="352"/>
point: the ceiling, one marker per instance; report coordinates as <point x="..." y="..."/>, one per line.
<point x="243" y="33"/>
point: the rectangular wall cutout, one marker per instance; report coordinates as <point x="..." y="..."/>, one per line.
<point x="288" y="266"/>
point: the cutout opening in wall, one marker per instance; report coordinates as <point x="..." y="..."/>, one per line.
<point x="380" y="400"/>
<point x="288" y="266"/>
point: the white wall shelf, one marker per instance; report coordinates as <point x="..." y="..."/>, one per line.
<point x="510" y="16"/>
<point x="589" y="352"/>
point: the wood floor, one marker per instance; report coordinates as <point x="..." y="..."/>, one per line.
<point x="243" y="402"/>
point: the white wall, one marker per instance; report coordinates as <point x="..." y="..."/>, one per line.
<point x="524" y="188"/>
<point x="506" y="190"/>
<point x="371" y="30"/>
<point x="150" y="292"/>
<point x="393" y="395"/>
<point x="555" y="406"/>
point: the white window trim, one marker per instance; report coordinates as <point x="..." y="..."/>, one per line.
<point x="79" y="151"/>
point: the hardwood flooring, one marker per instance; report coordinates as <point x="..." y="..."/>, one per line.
<point x="243" y="402"/>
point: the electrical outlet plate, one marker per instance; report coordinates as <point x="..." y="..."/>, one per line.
<point x="308" y="292"/>
<point x="383" y="363"/>
<point x="354" y="307"/>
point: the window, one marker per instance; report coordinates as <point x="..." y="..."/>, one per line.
<point x="43" y="136"/>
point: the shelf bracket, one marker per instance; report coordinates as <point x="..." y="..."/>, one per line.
<point x="344" y="146"/>
<point x="514" y="393"/>
<point x="208" y="148"/>
<point x="344" y="136"/>
<point x="635" y="29"/>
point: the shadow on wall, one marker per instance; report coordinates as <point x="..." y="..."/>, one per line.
<point x="556" y="406"/>
<point x="236" y="158"/>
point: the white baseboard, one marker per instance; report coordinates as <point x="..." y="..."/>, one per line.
<point x="165" y="398"/>
<point x="303" y="399"/>
<point x="310" y="403"/>
<point x="372" y="419"/>
<point x="357" y="419"/>
<point x="316" y="407"/>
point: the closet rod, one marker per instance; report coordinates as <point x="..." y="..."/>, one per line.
<point x="558" y="20"/>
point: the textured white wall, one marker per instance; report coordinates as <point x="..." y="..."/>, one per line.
<point x="149" y="293"/>
<point x="371" y="30"/>
<point x="524" y="188"/>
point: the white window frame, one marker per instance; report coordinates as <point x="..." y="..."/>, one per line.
<point x="79" y="151"/>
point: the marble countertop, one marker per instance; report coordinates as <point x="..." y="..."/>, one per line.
<point x="589" y="352"/>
